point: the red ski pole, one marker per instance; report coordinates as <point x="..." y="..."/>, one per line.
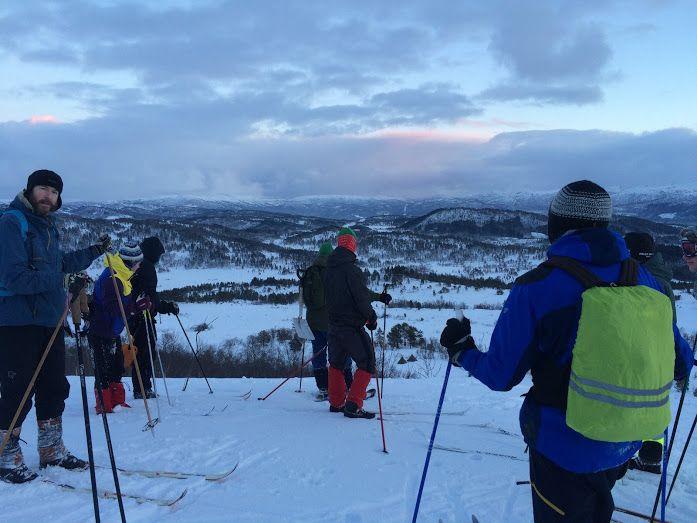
<point x="295" y="373"/>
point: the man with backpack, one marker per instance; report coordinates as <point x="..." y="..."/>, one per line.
<point x="350" y="310"/>
<point x="312" y="283"/>
<point x="32" y="302"/>
<point x="596" y="332"/>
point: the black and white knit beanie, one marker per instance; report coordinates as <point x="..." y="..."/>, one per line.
<point x="579" y="205"/>
<point x="131" y="253"/>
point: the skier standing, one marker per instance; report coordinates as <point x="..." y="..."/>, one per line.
<point x="33" y="297"/>
<point x="350" y="310"/>
<point x="318" y="319"/>
<point x="106" y="324"/>
<point x="145" y="284"/>
<point x="585" y="416"/>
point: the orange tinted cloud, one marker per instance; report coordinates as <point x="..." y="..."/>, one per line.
<point x="43" y="119"/>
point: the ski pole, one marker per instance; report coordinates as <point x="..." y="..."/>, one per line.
<point x="210" y="390"/>
<point x="682" y="457"/>
<point x="379" y="395"/>
<point x="152" y="364"/>
<point x="430" y="443"/>
<point x="39" y="366"/>
<point x="107" y="435"/>
<point x="159" y="357"/>
<point x="294" y="373"/>
<point x="675" y="429"/>
<point x="151" y="423"/>
<point x="664" y="477"/>
<point x="300" y="315"/>
<point x="384" y="342"/>
<point x="302" y="358"/>
<point x="86" y="415"/>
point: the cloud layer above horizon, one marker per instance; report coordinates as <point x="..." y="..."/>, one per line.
<point x="312" y="97"/>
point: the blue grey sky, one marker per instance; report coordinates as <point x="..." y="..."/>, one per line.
<point x="286" y="98"/>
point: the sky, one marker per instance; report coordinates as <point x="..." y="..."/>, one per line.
<point x="403" y="98"/>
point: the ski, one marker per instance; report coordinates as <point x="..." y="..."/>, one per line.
<point x="108" y="494"/>
<point x="175" y="475"/>
<point x="475" y="519"/>
<point x="639" y="515"/>
<point x="474" y="451"/>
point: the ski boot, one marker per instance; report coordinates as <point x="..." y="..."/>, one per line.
<point x="322" y="395"/>
<point x="12" y="467"/>
<point x="370" y="393"/>
<point x="332" y="408"/>
<point x="149" y="394"/>
<point x="52" y="451"/>
<point x="351" y="410"/>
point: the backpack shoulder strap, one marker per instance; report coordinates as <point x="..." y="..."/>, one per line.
<point x="577" y="270"/>
<point x="23" y="225"/>
<point x="629" y="273"/>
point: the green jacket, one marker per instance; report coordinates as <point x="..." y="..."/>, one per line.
<point x="313" y="295"/>
<point x="659" y="270"/>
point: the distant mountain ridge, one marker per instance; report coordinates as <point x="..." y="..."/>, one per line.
<point x="667" y="205"/>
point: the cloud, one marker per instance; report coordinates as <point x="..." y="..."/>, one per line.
<point x="103" y="158"/>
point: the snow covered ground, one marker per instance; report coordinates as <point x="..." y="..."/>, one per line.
<point x="298" y="462"/>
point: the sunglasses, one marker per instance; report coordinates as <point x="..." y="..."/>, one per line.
<point x="689" y="249"/>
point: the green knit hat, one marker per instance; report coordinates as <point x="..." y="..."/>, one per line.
<point x="347" y="230"/>
<point x="325" y="249"/>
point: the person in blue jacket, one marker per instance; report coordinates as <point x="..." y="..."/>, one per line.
<point x="571" y="476"/>
<point x="32" y="301"/>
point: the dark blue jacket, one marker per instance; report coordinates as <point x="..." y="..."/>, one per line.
<point x="105" y="318"/>
<point x="536" y="332"/>
<point x="34" y="269"/>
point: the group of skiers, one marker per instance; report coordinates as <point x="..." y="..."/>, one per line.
<point x="34" y="275"/>
<point x="594" y="325"/>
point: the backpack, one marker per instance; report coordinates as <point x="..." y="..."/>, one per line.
<point x="623" y="357"/>
<point x="312" y="284"/>
<point x="24" y="229"/>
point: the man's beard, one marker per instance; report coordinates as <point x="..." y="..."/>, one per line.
<point x="44" y="201"/>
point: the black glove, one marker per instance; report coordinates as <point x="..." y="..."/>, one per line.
<point x="372" y="325"/>
<point x="168" y="307"/>
<point x="76" y="287"/>
<point x="102" y="245"/>
<point x="385" y="298"/>
<point x="456" y="337"/>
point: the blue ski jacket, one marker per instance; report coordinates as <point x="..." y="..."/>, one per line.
<point x="32" y="268"/>
<point x="536" y="332"/>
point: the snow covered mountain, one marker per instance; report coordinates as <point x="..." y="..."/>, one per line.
<point x="667" y="204"/>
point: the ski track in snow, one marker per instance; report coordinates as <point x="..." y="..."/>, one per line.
<point x="298" y="462"/>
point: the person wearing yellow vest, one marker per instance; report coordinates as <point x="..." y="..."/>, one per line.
<point x="106" y="324"/>
<point x="596" y="332"/>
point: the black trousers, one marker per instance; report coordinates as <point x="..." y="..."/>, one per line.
<point x="353" y="342"/>
<point x="562" y="496"/>
<point x="140" y="336"/>
<point x="108" y="357"/>
<point x="20" y="351"/>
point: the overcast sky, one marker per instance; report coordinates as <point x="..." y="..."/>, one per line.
<point x="389" y="98"/>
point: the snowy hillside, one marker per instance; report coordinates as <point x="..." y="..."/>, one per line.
<point x="298" y="462"/>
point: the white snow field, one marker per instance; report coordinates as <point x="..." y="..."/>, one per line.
<point x="298" y="462"/>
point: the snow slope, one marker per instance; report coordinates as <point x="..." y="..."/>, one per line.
<point x="298" y="462"/>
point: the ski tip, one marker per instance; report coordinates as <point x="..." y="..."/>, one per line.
<point x="474" y="519"/>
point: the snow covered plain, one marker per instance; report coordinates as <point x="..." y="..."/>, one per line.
<point x="298" y="462"/>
